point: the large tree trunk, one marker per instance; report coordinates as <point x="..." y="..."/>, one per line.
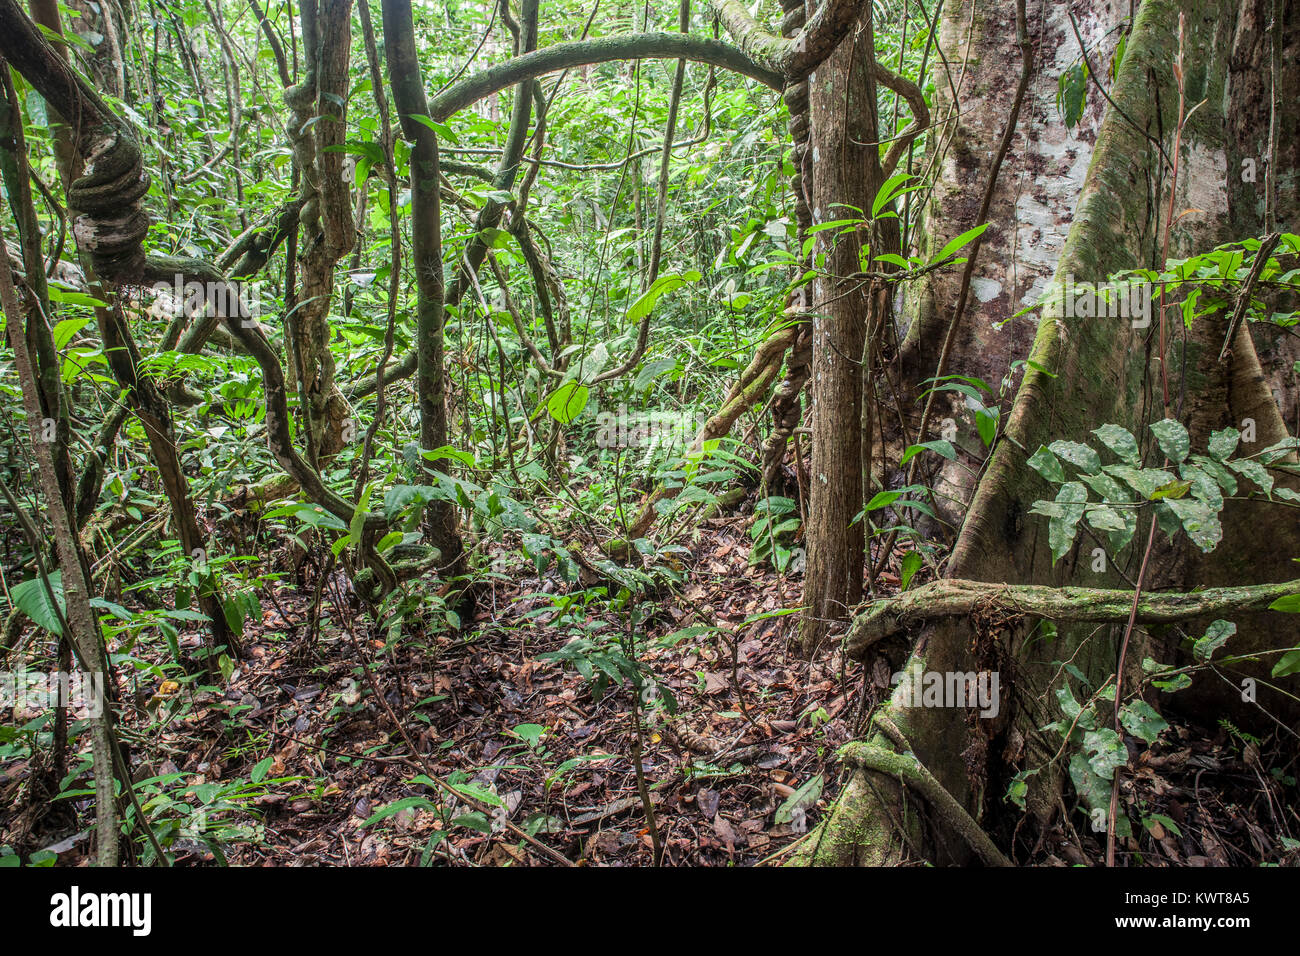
<point x="1033" y="202"/>
<point x="1100" y="373"/>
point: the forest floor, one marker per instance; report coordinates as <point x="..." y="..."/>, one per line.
<point x="484" y="696"/>
<point x="295" y="756"/>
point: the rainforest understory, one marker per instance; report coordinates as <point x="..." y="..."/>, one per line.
<point x="500" y="433"/>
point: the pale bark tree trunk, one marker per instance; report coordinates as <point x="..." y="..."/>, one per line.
<point x="1032" y="207"/>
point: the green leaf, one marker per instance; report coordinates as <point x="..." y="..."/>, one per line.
<point x="912" y="562"/>
<point x="567" y="402"/>
<point x="1072" y="94"/>
<point x="1171" y="489"/>
<point x="1061" y="529"/>
<point x="986" y="423"/>
<point x="1141" y="720"/>
<point x="406" y="803"/>
<point x="401" y="497"/>
<point x="1103" y="518"/>
<point x="1275" y="453"/>
<point x="1204" y="487"/>
<point x="1174" y="684"/>
<point x="478" y="792"/>
<point x="390" y="540"/>
<point x="1173" y="438"/>
<point x="62" y="296"/>
<point x="805" y="796"/>
<point x="1288" y="665"/>
<point x="970" y="235"/>
<point x="1223" y="443"/>
<point x="644" y="305"/>
<point x="309" y="514"/>
<point x="31" y="598"/>
<point x="676" y="637"/>
<point x="1287" y="605"/>
<point x="1081" y="456"/>
<point x="495" y="238"/>
<point x="1164" y="821"/>
<point x="442" y="129"/>
<point x="1255" y="472"/>
<point x="651" y="371"/>
<point x="474" y="820"/>
<point x="889" y="190"/>
<point x="1215" y="637"/>
<point x="65" y="330"/>
<point x="1092" y="789"/>
<point x="1216" y="471"/>
<point x="1199" y="521"/>
<point x="1120" y="441"/>
<point x="448" y="452"/>
<point x="882" y="499"/>
<point x="942" y="448"/>
<point x="1145" y="481"/>
<point x="1106" y="751"/>
<point x="1047" y="465"/>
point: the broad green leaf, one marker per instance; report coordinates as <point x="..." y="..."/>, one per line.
<point x="442" y="129"/>
<point x="1103" y="518"/>
<point x="912" y="562"/>
<point x="942" y="448"/>
<point x="567" y="402"/>
<point x="1141" y="720"/>
<point x="1199" y="521"/>
<point x="1216" y="471"/>
<point x="1106" y="751"/>
<point x="651" y="371"/>
<point x="65" y="330"/>
<point x="1061" y="529"/>
<point x="1173" y="438"/>
<point x="644" y="305"/>
<point x="1081" y="456"/>
<point x="31" y="598"/>
<point x="1215" y="637"/>
<point x="1288" y="665"/>
<point x="1255" y="472"/>
<point x="1145" y="481"/>
<point x="1092" y="788"/>
<point x="1223" y="443"/>
<point x="805" y="796"/>
<point x="1120" y="441"/>
<point x="406" y="803"/>
<point x="970" y="235"/>
<point x="882" y="499"/>
<point x="1047" y="465"/>
<point x="1203" y="486"/>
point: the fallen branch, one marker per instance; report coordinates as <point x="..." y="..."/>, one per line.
<point x="956" y="598"/>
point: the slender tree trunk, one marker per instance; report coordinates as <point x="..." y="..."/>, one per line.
<point x="426" y="256"/>
<point x="846" y="175"/>
<point x="81" y="624"/>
